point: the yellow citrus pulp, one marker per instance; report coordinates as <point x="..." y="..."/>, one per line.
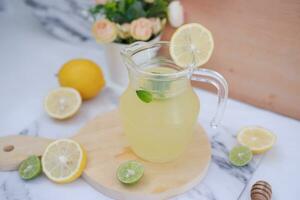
<point x="191" y="45"/>
<point x="258" y="139"/>
<point x="64" y="161"/>
<point x="62" y="103"/>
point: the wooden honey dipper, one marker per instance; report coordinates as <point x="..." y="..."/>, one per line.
<point x="261" y="190"/>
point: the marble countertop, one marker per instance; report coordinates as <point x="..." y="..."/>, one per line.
<point x="30" y="58"/>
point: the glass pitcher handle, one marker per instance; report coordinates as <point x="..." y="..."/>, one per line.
<point x="216" y="79"/>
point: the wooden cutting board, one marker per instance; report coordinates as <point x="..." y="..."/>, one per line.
<point x="107" y="148"/>
<point x="257" y="49"/>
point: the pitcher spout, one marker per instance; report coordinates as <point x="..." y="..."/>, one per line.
<point x="128" y="51"/>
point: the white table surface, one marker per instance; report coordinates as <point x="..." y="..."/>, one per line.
<point x="29" y="59"/>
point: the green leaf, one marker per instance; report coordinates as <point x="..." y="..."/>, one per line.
<point x="118" y="17"/>
<point x="144" y="95"/>
<point x="122" y="6"/>
<point x="115" y="11"/>
<point x="96" y="9"/>
<point x="158" y="9"/>
<point x="135" y="11"/>
<point x="125" y="11"/>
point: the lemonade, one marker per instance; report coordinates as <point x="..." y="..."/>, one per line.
<point x="159" y="108"/>
<point x="160" y="130"/>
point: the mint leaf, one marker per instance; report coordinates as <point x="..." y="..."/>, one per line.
<point x="144" y="96"/>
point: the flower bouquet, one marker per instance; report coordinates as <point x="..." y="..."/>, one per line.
<point x="121" y="22"/>
<point x="127" y="21"/>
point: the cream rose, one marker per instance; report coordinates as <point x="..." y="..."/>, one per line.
<point x="156" y="25"/>
<point x="149" y="1"/>
<point x="101" y="2"/>
<point x="175" y="14"/>
<point x="104" y="31"/>
<point x="141" y="29"/>
<point x="123" y="30"/>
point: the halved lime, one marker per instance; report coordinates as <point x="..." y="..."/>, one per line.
<point x="240" y="156"/>
<point x="30" y="168"/>
<point x="130" y="172"/>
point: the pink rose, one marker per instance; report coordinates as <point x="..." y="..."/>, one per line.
<point x="104" y="31"/>
<point x="101" y="2"/>
<point x="141" y="29"/>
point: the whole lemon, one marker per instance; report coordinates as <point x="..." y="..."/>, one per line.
<point x="83" y="75"/>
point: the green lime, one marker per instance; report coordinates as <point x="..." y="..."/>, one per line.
<point x="240" y="156"/>
<point x="30" y="168"/>
<point x="130" y="172"/>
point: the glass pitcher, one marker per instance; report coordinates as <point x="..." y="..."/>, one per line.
<point x="159" y="108"/>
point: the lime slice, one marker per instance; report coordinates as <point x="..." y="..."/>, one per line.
<point x="258" y="139"/>
<point x="240" y="156"/>
<point x="130" y="172"/>
<point x="191" y="45"/>
<point x="30" y="168"/>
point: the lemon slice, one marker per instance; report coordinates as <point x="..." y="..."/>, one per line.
<point x="191" y="45"/>
<point x="64" y="161"/>
<point x="62" y="102"/>
<point x="258" y="139"/>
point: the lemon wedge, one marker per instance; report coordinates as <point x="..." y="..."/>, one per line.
<point x="64" y="161"/>
<point x="191" y="45"/>
<point x="258" y="139"/>
<point x="62" y="102"/>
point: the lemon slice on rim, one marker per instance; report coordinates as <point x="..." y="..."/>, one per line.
<point x="191" y="45"/>
<point x="64" y="161"/>
<point x="258" y="139"/>
<point x="62" y="102"/>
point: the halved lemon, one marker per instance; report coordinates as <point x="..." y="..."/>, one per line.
<point x="62" y="102"/>
<point x="258" y="139"/>
<point x="191" y="45"/>
<point x="64" y="161"/>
